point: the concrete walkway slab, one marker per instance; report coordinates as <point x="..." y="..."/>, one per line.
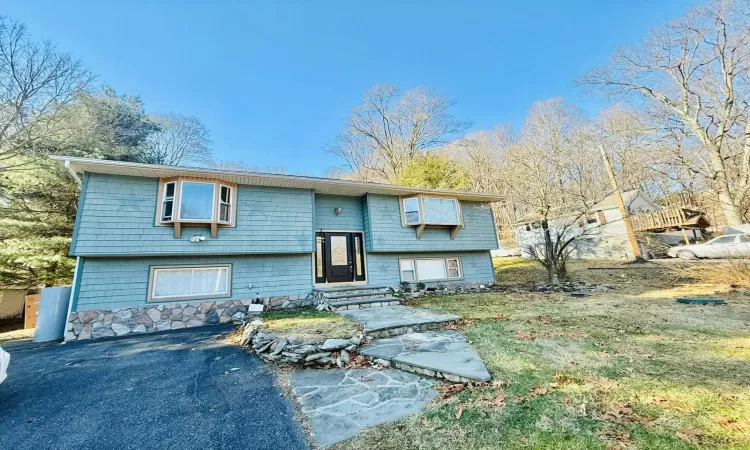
<point x="341" y="403"/>
<point x="439" y="351"/>
<point x="383" y="318"/>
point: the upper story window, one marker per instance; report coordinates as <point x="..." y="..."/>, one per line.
<point x="196" y="202"/>
<point x="430" y="211"/>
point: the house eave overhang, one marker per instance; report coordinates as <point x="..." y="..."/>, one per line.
<point x="319" y="185"/>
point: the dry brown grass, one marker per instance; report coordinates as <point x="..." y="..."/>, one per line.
<point x="310" y="325"/>
<point x="626" y="368"/>
<point x="733" y="272"/>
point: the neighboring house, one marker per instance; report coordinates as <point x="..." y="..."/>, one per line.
<point x="162" y="247"/>
<point x="602" y="230"/>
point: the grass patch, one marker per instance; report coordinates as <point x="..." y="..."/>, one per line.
<point x="15" y="335"/>
<point x="628" y="367"/>
<point x="309" y="324"/>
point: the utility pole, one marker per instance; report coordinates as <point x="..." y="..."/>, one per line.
<point x="621" y="204"/>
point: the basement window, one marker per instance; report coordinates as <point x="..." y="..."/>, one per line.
<point x="431" y="269"/>
<point x="188" y="202"/>
<point x="172" y="283"/>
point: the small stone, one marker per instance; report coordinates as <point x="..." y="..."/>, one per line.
<point x="356" y="340"/>
<point x="382" y="362"/>
<point x="239" y="316"/>
<point x="120" y="329"/>
<point x="163" y="325"/>
<point x="315" y="356"/>
<point x="334" y="344"/>
<point x="345" y="358"/>
<point x="324" y="360"/>
<point x="193" y="323"/>
<point x="177" y="324"/>
<point x="140" y="328"/>
<point x="263" y="347"/>
<point x="350" y="347"/>
<point x="124" y="314"/>
<point x="85" y="332"/>
<point x="89" y="316"/>
<point x="279" y="346"/>
<point x="305" y="349"/>
<point x="154" y="314"/>
<point x="212" y="318"/>
<point x="145" y="320"/>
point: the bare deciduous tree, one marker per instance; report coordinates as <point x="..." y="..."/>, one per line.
<point x="389" y="129"/>
<point x="692" y="73"/>
<point x="179" y="140"/>
<point x="35" y="80"/>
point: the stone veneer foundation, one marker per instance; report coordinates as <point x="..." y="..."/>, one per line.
<point x="171" y="316"/>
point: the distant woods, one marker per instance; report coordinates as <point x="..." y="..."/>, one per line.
<point x="678" y="126"/>
<point x="51" y="104"/>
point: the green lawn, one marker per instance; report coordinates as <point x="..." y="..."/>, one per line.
<point x="629" y="368"/>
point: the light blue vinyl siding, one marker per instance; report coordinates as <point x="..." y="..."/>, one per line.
<point x="112" y="283"/>
<point x="383" y="268"/>
<point x="349" y="219"/>
<point x="386" y="234"/>
<point x="118" y="212"/>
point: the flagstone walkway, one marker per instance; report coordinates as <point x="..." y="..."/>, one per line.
<point x="441" y="354"/>
<point x="341" y="403"/>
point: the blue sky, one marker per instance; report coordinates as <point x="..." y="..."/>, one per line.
<point x="274" y="80"/>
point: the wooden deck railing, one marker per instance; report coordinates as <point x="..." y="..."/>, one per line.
<point x="671" y="217"/>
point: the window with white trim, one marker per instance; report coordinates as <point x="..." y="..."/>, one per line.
<point x="186" y="201"/>
<point x="429" y="210"/>
<point x="407" y="270"/>
<point x="225" y="204"/>
<point x="167" y="203"/>
<point x="431" y="269"/>
<point x="197" y="201"/>
<point x="189" y="282"/>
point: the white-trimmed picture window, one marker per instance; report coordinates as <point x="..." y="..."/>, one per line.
<point x="440" y="211"/>
<point x="429" y="210"/>
<point x="431" y="269"/>
<point x="171" y="283"/>
<point x="197" y="201"/>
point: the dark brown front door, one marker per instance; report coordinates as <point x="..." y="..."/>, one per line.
<point x="343" y="257"/>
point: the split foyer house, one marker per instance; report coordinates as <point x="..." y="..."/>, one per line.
<point x="161" y="247"/>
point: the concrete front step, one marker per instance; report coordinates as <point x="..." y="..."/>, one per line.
<point x="348" y="289"/>
<point x="357" y="295"/>
<point x="396" y="320"/>
<point x="363" y="303"/>
<point x="439" y="354"/>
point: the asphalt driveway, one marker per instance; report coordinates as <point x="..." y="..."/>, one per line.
<point x="177" y="390"/>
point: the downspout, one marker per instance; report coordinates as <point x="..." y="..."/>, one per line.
<point x="74" y="287"/>
<point x="72" y="172"/>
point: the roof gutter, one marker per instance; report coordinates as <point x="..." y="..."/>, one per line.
<point x="72" y="172"/>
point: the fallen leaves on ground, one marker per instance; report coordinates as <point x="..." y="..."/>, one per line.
<point x="449" y="390"/>
<point x="525" y="336"/>
<point x="459" y="412"/>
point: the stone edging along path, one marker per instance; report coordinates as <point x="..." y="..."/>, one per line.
<point x="272" y="347"/>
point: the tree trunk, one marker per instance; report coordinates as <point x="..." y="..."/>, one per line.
<point x="728" y="205"/>
<point x="549" y="255"/>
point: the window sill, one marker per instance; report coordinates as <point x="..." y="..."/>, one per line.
<point x="178" y="224"/>
<point x="421" y="226"/>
